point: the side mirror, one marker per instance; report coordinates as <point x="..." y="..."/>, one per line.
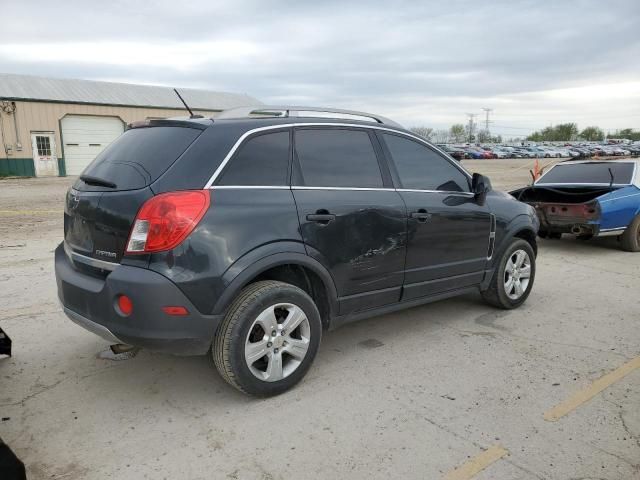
<point x="480" y="186"/>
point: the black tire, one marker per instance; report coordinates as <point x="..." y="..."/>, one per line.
<point x="630" y="239"/>
<point x="228" y="348"/>
<point x="496" y="295"/>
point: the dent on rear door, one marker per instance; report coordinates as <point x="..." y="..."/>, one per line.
<point x="363" y="247"/>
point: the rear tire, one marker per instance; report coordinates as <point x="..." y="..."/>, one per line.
<point x="513" y="279"/>
<point x="630" y="239"/>
<point x="268" y="338"/>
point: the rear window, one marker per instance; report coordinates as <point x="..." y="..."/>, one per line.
<point x="140" y="155"/>
<point x="262" y="160"/>
<point x="589" y="173"/>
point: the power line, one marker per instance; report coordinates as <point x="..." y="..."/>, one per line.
<point x="517" y="128"/>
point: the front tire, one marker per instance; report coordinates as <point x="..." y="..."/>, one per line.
<point x="630" y="239"/>
<point x="268" y="338"/>
<point x="513" y="279"/>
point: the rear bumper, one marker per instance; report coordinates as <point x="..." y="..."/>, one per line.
<point x="566" y="220"/>
<point x="89" y="302"/>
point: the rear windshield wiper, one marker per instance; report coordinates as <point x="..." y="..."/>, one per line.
<point x="98" y="182"/>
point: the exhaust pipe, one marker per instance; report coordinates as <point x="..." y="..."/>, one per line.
<point x="581" y="230"/>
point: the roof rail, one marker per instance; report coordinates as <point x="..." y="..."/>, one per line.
<point x="290" y="111"/>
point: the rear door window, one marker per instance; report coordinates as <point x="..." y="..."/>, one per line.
<point x="420" y="168"/>
<point x="140" y="155"/>
<point x="336" y="158"/>
<point x="261" y="160"/>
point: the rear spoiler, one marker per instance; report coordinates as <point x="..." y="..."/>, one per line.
<point x="199" y="125"/>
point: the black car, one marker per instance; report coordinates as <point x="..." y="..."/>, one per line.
<point x="248" y="237"/>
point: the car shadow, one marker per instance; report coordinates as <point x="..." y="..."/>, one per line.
<point x="194" y="383"/>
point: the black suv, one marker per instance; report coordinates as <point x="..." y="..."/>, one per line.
<point x="251" y="233"/>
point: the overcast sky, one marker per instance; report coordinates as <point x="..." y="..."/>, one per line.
<point x="422" y="63"/>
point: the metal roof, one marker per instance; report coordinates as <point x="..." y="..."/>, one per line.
<point x="24" y="87"/>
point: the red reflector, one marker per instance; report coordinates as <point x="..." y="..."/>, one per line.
<point x="175" y="310"/>
<point x="165" y="220"/>
<point x="125" y="305"/>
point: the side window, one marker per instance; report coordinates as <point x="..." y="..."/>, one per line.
<point x="421" y="168"/>
<point x="337" y="158"/>
<point x="261" y="160"/>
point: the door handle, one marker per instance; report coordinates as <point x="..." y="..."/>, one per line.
<point x="321" y="216"/>
<point x="421" y="215"/>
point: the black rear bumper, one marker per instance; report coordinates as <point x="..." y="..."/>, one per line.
<point x="90" y="302"/>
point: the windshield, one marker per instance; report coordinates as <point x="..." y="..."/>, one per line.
<point x="589" y="173"/>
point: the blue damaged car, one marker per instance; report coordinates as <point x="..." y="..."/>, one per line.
<point x="588" y="199"/>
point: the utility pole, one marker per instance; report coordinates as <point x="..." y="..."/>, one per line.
<point x="486" y="120"/>
<point x="471" y="125"/>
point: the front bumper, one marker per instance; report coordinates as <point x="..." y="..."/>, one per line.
<point x="90" y="302"/>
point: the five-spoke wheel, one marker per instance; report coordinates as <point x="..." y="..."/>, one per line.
<point x="517" y="273"/>
<point x="513" y="277"/>
<point x="277" y="342"/>
<point x="268" y="338"/>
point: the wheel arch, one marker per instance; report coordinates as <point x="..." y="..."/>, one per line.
<point x="520" y="227"/>
<point x="291" y="267"/>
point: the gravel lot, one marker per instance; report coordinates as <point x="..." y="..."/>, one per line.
<point x="408" y="395"/>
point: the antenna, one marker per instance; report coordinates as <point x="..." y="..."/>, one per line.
<point x="185" y="104"/>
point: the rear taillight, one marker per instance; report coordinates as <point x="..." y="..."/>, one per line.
<point x="165" y="220"/>
<point x="592" y="210"/>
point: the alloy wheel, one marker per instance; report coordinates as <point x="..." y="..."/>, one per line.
<point x="277" y="342"/>
<point x="517" y="273"/>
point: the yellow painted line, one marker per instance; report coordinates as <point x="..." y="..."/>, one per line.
<point x="591" y="391"/>
<point x="478" y="463"/>
<point x="29" y="212"/>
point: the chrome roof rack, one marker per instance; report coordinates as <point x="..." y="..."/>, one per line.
<point x="261" y="111"/>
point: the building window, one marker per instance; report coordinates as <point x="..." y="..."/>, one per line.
<point x="43" y="143"/>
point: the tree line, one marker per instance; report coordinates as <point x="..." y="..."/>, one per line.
<point x="458" y="133"/>
<point x="563" y="132"/>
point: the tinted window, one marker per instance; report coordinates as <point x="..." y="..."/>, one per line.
<point x="421" y="168"/>
<point x="589" y="173"/>
<point x="337" y="158"/>
<point x="261" y="160"/>
<point x="140" y="155"/>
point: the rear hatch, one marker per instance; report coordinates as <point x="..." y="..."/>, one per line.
<point x="102" y="204"/>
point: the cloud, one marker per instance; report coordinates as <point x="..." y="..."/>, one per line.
<point x="420" y="62"/>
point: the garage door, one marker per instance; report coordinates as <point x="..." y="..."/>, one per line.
<point x="85" y="137"/>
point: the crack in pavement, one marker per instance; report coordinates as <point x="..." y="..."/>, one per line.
<point x="634" y="437"/>
<point x="54" y="385"/>
<point x="634" y="466"/>
<point x="623" y="422"/>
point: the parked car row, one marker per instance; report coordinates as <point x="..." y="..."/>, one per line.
<point x="566" y="150"/>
